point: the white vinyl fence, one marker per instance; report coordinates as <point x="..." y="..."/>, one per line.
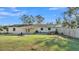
<point x="69" y="32"/>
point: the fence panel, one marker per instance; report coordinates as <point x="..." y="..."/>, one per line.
<point x="69" y="32"/>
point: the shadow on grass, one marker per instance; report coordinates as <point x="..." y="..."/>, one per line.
<point x="59" y="44"/>
<point x="9" y="34"/>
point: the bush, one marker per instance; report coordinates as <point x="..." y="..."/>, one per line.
<point x="62" y="33"/>
<point x="56" y="32"/>
<point x="36" y="31"/>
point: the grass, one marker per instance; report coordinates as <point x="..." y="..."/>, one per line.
<point x="38" y="43"/>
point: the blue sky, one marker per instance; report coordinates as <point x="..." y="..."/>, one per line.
<point x="11" y="15"/>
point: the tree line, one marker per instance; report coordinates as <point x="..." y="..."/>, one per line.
<point x="32" y="19"/>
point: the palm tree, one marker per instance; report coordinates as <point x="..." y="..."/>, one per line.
<point x="39" y="19"/>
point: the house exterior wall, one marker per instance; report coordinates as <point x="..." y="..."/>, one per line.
<point x="45" y="29"/>
<point x="18" y="30"/>
<point x="30" y="28"/>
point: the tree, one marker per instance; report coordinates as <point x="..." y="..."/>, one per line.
<point x="68" y="15"/>
<point x="51" y="23"/>
<point x="6" y="28"/>
<point x="73" y="24"/>
<point x="23" y="17"/>
<point x="30" y="20"/>
<point x="58" y="21"/>
<point x="39" y="19"/>
<point x="1" y="29"/>
<point x="77" y="19"/>
<point x="72" y="11"/>
<point x="27" y="19"/>
<point x="64" y="24"/>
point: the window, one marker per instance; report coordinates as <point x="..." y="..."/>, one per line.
<point x="14" y="29"/>
<point x="41" y="28"/>
<point x="49" y="28"/>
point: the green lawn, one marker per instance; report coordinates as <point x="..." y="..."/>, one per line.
<point x="38" y="43"/>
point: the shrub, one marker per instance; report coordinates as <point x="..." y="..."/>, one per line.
<point x="36" y="31"/>
<point x="56" y="32"/>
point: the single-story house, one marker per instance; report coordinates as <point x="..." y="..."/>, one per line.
<point x="32" y="28"/>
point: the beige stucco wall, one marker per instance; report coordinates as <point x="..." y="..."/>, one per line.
<point x="32" y="30"/>
<point x="45" y="29"/>
<point x="17" y="31"/>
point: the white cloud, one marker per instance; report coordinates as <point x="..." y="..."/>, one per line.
<point x="17" y="12"/>
<point x="14" y="12"/>
<point x="14" y="9"/>
<point x="4" y="13"/>
<point x="54" y="8"/>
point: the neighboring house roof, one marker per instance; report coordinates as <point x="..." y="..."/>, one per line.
<point x="35" y="25"/>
